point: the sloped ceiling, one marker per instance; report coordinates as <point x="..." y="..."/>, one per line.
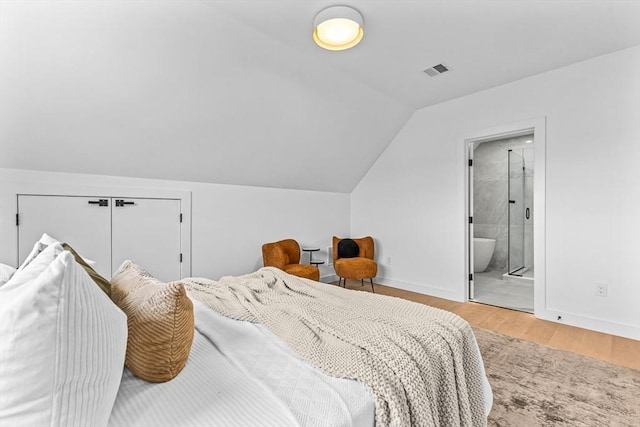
<point x="236" y="92"/>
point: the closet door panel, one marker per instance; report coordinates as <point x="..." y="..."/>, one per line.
<point x="83" y="225"/>
<point x="147" y="231"/>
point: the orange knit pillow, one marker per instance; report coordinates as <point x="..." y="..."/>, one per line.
<point x="160" y="322"/>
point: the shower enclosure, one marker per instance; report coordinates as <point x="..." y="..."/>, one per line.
<point x="520" y="226"/>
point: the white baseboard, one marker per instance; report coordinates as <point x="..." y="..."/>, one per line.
<point x="420" y="288"/>
<point x="572" y="319"/>
<point x="408" y="286"/>
<point x="329" y="278"/>
<point x="592" y="323"/>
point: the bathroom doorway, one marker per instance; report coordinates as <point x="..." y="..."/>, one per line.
<point x="501" y="223"/>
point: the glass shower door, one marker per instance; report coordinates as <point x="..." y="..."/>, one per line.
<point x="515" y="263"/>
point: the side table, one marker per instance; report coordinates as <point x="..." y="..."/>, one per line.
<point x="311" y="251"/>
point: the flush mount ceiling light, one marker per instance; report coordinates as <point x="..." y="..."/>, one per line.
<point x="338" y="28"/>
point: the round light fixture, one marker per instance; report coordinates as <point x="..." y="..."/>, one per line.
<point x="338" y="28"/>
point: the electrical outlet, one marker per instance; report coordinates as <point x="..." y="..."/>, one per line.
<point x="389" y="261"/>
<point x="329" y="255"/>
<point x="601" y="289"/>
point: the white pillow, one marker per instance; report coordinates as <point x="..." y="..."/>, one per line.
<point x="6" y="271"/>
<point x="36" y="266"/>
<point x="41" y="245"/>
<point x="63" y="349"/>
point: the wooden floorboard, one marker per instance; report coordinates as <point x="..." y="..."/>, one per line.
<point x="610" y="348"/>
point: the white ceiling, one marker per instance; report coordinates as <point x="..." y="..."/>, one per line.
<point x="485" y="43"/>
<point x="236" y="92"/>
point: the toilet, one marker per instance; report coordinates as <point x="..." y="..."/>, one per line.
<point x="482" y="253"/>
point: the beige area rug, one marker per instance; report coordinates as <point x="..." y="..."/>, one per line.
<point x="535" y="385"/>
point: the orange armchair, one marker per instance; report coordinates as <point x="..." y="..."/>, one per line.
<point x="285" y="255"/>
<point x="360" y="267"/>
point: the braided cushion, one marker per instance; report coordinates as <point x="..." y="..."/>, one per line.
<point x="160" y="322"/>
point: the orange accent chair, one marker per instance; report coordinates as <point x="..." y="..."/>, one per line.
<point x="285" y="255"/>
<point x="360" y="267"/>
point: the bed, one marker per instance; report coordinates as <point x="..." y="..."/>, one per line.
<point x="256" y="381"/>
<point x="64" y="346"/>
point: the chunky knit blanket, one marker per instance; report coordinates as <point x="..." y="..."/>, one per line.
<point x="420" y="363"/>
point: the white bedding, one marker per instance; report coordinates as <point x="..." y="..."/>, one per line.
<point x="240" y="374"/>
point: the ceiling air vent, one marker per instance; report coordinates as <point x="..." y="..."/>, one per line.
<point x="436" y="70"/>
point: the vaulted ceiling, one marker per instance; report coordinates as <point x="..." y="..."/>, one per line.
<point x="236" y="91"/>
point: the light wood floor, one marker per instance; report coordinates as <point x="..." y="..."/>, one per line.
<point x="610" y="348"/>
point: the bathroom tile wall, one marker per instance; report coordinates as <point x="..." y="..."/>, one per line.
<point x="491" y="198"/>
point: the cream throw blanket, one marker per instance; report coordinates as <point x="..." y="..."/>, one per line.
<point x="420" y="363"/>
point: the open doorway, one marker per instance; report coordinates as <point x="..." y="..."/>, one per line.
<point x="536" y="226"/>
<point x="501" y="182"/>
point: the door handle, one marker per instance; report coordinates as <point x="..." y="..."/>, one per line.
<point x="527" y="213"/>
<point x="101" y="202"/>
<point x="120" y="203"/>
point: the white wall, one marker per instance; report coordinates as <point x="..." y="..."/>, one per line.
<point x="229" y="223"/>
<point x="413" y="198"/>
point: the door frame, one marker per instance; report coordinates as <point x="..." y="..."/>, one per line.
<point x="536" y="126"/>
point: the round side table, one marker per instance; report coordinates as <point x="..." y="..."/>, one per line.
<point x="311" y="251"/>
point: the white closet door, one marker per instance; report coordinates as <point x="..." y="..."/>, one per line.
<point x="83" y="225"/>
<point x="147" y="231"/>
